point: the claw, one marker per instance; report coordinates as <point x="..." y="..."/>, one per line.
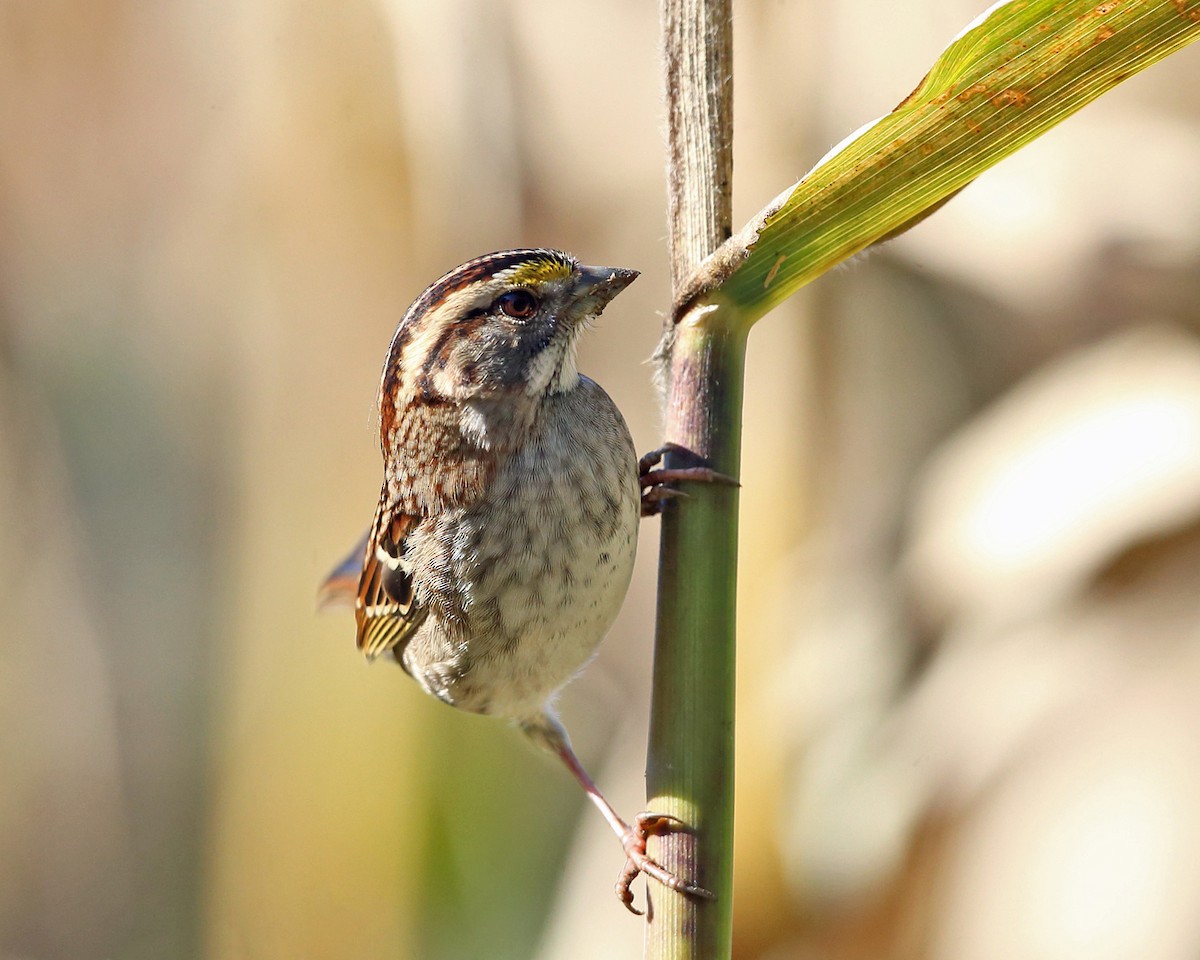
<point x="653" y="499"/>
<point x="653" y="480"/>
<point x="637" y="861"/>
<point x="622" y="888"/>
<point x="547" y="732"/>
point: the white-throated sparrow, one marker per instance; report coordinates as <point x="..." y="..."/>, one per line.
<point x="504" y="538"/>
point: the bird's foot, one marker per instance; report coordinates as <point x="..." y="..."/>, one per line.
<point x="653" y="482"/>
<point x="646" y="825"/>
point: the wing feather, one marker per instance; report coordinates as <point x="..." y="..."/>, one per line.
<point x="385" y="606"/>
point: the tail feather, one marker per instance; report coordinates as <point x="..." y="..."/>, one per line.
<point x="340" y="587"/>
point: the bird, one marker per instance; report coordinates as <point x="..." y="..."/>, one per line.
<point x="505" y="533"/>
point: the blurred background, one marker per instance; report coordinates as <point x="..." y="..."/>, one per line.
<point x="970" y="625"/>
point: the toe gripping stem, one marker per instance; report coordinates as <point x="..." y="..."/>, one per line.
<point x="549" y="733"/>
<point x="637" y="860"/>
<point x="653" y="480"/>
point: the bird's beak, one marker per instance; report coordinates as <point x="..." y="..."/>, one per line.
<point x="598" y="285"/>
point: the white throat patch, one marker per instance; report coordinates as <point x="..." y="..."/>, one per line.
<point x="553" y="370"/>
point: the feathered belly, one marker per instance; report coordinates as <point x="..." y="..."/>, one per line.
<point x="522" y="586"/>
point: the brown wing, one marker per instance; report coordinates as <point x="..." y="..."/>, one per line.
<point x="385" y="608"/>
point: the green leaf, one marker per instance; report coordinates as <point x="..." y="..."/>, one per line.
<point x="1021" y="68"/>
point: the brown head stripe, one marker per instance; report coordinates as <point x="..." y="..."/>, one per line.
<point x="473" y="270"/>
<point x="478" y="269"/>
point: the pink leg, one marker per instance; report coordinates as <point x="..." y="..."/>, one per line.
<point x="550" y="734"/>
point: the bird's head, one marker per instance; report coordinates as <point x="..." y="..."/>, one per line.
<point x="503" y="324"/>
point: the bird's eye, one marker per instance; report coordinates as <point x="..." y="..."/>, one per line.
<point x="519" y="304"/>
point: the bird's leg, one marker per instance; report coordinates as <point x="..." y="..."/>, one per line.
<point x="654" y="481"/>
<point x="549" y="733"/>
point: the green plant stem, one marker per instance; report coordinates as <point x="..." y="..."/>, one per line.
<point x="690" y="771"/>
<point x="690" y="761"/>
